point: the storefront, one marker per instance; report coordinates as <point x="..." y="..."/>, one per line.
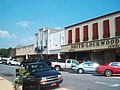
<point x="95" y="40"/>
<point x="101" y="51"/>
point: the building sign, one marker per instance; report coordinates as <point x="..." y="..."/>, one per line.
<point x="105" y="43"/>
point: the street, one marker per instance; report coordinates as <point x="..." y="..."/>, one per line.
<point x="73" y="81"/>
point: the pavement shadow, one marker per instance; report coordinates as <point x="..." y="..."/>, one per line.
<point x="96" y="74"/>
<point x="113" y="76"/>
<point x="51" y="88"/>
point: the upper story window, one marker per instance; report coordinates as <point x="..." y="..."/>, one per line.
<point x="106" y="29"/>
<point x="45" y="44"/>
<point x="70" y="36"/>
<point x="77" y="35"/>
<point x="36" y="39"/>
<point x="117" y="25"/>
<point x="62" y="42"/>
<point x="85" y="28"/>
<point x="95" y="31"/>
<point x="36" y="44"/>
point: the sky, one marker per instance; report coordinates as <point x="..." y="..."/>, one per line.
<point x="20" y="20"/>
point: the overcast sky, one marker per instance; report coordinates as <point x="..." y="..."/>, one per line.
<point x="21" y="19"/>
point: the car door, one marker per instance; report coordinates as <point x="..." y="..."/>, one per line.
<point x="115" y="66"/>
<point x="86" y="67"/>
<point x="118" y="68"/>
<point x="68" y="64"/>
<point x="15" y="62"/>
<point x="89" y="67"/>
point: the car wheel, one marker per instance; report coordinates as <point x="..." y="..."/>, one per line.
<point x="80" y="71"/>
<point x="9" y="63"/>
<point x="57" y="68"/>
<point x="108" y="73"/>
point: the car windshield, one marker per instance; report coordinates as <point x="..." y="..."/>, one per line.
<point x="75" y="62"/>
<point x="38" y="67"/>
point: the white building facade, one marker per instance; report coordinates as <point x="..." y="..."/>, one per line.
<point x="47" y="42"/>
<point x="55" y="41"/>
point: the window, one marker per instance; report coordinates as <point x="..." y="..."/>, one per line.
<point x="85" y="28"/>
<point x="88" y="64"/>
<point x="68" y="61"/>
<point x="117" y="25"/>
<point x="45" y="44"/>
<point x="95" y="31"/>
<point x="36" y="36"/>
<point x="70" y="36"/>
<point x="36" y="44"/>
<point x="106" y="29"/>
<point x="114" y="64"/>
<point x="77" y="33"/>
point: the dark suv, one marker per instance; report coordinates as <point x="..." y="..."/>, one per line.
<point x="47" y="77"/>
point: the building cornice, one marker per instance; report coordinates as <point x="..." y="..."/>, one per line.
<point x="92" y="19"/>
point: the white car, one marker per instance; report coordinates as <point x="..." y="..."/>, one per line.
<point x="14" y="62"/>
<point x="85" y="67"/>
<point x="0" y="61"/>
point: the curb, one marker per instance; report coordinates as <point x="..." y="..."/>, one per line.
<point x="5" y="84"/>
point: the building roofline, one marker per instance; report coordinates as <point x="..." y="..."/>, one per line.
<point x="25" y="46"/>
<point x="48" y="28"/>
<point x="93" y="19"/>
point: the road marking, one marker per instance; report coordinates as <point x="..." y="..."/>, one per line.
<point x="115" y="85"/>
<point x="111" y="85"/>
<point x="101" y="83"/>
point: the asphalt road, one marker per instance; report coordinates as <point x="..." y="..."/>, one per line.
<point x="73" y="81"/>
<point x="8" y="72"/>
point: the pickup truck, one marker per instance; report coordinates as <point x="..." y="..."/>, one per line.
<point x="64" y="65"/>
<point x="43" y="72"/>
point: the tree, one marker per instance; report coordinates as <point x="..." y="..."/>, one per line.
<point x="5" y="52"/>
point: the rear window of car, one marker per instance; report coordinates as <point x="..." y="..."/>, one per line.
<point x="114" y="64"/>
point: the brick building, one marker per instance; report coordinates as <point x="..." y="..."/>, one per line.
<point x="97" y="39"/>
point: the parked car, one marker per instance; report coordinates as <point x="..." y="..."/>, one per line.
<point x="109" y="69"/>
<point x="47" y="77"/>
<point x="85" y="67"/>
<point x="4" y="61"/>
<point x="0" y="61"/>
<point x="25" y="62"/>
<point x="64" y="65"/>
<point x="14" y="62"/>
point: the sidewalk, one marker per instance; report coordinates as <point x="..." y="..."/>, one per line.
<point x="5" y="84"/>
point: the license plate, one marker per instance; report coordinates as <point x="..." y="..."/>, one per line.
<point x="53" y="84"/>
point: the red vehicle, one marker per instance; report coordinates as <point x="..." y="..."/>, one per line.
<point x="109" y="69"/>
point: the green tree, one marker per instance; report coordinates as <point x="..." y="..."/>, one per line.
<point x="5" y="52"/>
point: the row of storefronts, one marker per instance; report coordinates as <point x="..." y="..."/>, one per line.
<point x="95" y="40"/>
